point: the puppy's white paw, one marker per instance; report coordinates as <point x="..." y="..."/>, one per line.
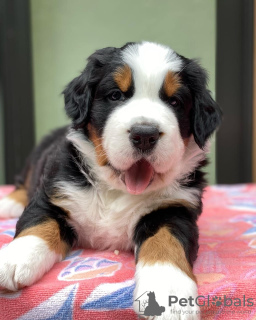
<point x="155" y="284"/>
<point x="24" y="261"/>
<point x="9" y="208"/>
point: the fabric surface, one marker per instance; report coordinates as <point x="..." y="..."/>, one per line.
<point x="99" y="285"/>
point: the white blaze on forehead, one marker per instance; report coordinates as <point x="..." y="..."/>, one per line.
<point x="150" y="63"/>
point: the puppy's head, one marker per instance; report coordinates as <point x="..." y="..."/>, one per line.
<point x="146" y="111"/>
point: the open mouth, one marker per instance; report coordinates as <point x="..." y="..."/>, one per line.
<point x="138" y="177"/>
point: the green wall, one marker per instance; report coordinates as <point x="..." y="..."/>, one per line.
<point x="65" y="32"/>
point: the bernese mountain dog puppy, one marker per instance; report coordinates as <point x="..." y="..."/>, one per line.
<point x="126" y="174"/>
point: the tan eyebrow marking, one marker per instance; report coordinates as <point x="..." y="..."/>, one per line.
<point x="123" y="77"/>
<point x="171" y="83"/>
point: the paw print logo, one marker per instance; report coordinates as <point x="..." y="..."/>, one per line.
<point x="216" y="301"/>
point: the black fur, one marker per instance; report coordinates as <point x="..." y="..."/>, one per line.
<point x="35" y="165"/>
<point x="197" y="178"/>
<point x="205" y="115"/>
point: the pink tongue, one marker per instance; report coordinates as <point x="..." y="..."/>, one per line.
<point x="138" y="177"/>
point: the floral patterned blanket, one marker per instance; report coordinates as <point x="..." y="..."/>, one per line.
<point x="99" y="285"/>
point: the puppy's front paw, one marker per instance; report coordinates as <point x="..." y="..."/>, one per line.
<point x="159" y="288"/>
<point x="24" y="261"/>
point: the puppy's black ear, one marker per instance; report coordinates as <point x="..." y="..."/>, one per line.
<point x="78" y="97"/>
<point x="206" y="114"/>
<point x="207" y="118"/>
<point x="79" y="93"/>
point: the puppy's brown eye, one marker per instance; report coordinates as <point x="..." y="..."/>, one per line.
<point x="173" y="102"/>
<point x="115" y="96"/>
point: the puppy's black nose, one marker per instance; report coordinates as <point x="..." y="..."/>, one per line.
<point x="144" y="136"/>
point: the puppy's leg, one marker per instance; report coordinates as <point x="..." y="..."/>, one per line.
<point x="43" y="237"/>
<point x="14" y="204"/>
<point x="166" y="246"/>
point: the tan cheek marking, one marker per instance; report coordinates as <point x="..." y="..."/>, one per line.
<point x="171" y="83"/>
<point x="123" y="78"/>
<point x="101" y="155"/>
<point x="163" y="247"/>
<point x="48" y="231"/>
<point x="20" y="196"/>
<point x="186" y="141"/>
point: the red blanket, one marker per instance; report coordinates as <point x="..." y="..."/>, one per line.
<point x="99" y="285"/>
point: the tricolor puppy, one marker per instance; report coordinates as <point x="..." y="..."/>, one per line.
<point x="126" y="174"/>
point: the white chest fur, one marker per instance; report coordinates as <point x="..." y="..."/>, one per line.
<point x="105" y="219"/>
